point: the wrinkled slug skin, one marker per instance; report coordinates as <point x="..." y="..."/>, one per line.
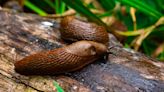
<point x="75" y="30"/>
<point x="61" y="60"/>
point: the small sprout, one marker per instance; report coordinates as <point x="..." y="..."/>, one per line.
<point x="59" y="89"/>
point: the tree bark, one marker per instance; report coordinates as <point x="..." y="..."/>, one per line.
<point x="123" y="70"/>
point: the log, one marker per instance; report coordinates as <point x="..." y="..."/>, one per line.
<point x="123" y="70"/>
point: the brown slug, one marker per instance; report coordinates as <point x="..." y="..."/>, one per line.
<point x="66" y="59"/>
<point x="75" y="30"/>
<point x="71" y="57"/>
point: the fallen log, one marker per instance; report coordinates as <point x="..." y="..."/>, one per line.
<point x="124" y="70"/>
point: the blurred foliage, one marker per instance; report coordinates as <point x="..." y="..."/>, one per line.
<point x="137" y="23"/>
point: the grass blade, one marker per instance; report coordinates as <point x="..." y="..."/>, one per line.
<point x="79" y="7"/>
<point x="107" y="4"/>
<point x="130" y="33"/>
<point x="50" y="4"/>
<point x="57" y="6"/>
<point x="34" y="8"/>
<point x="142" y="7"/>
<point x="62" y="8"/>
<point x="59" y="89"/>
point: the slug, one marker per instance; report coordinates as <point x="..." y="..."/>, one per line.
<point x="74" y="30"/>
<point x="66" y="59"/>
<point x="71" y="57"/>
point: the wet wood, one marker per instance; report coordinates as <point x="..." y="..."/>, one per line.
<point x="124" y="70"/>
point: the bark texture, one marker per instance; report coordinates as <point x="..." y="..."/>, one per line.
<point x="123" y="70"/>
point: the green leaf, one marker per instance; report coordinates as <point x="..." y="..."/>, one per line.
<point x="50" y="4"/>
<point x="106" y="14"/>
<point x="62" y="8"/>
<point x="146" y="48"/>
<point x="159" y="4"/>
<point x="59" y="89"/>
<point x="145" y="8"/>
<point x="107" y="4"/>
<point x="57" y="6"/>
<point x="161" y="56"/>
<point x="126" y="45"/>
<point x="34" y="8"/>
<point x="79" y="7"/>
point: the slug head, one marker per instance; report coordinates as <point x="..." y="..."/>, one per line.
<point x="87" y="48"/>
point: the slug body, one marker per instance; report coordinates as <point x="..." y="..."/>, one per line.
<point x="61" y="60"/>
<point x="75" y="30"/>
<point x="71" y="57"/>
